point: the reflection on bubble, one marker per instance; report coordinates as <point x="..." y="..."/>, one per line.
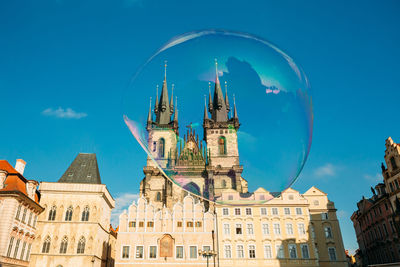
<point x="245" y="116"/>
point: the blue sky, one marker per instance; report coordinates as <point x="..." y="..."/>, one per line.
<point x="64" y="66"/>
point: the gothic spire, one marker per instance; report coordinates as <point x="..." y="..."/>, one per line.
<point x="176" y="109"/>
<point x="205" y="108"/>
<point x="235" y="116"/>
<point x="209" y="97"/>
<point x="228" y="108"/>
<point x="164" y="110"/>
<point x="219" y="113"/>
<point x="172" y="99"/>
<point x="149" y="119"/>
<point x="156" y="105"/>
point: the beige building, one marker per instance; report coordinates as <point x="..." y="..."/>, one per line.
<point x="19" y="209"/>
<point x="75" y="228"/>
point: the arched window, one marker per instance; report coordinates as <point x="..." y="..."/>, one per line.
<point x="64" y="245"/>
<point x="46" y="245"/>
<point x="85" y="214"/>
<point x="158" y="196"/>
<point x="52" y="213"/>
<point x="161" y="148"/>
<point x="222" y="145"/>
<point x="68" y="214"/>
<point x="223" y="184"/>
<point x="393" y="162"/>
<point x="81" y="246"/>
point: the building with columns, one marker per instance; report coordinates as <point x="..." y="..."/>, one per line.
<point x="19" y="210"/>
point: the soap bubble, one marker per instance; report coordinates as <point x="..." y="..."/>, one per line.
<point x="256" y="132"/>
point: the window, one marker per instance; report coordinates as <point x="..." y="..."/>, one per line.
<point x="393" y="163"/>
<point x="193" y="252"/>
<point x="385" y="229"/>
<point x="225" y="211"/>
<point x="304" y="251"/>
<point x="262" y="197"/>
<point x="46" y="245"/>
<point x="237" y="211"/>
<point x="280" y="254"/>
<point x="16" y="248"/>
<point x="153" y="252"/>
<point x="161" y="148"/>
<point x="227" y="251"/>
<point x="52" y="213"/>
<point x="179" y="252"/>
<point x="316" y="202"/>
<point x="324" y="216"/>
<point x="158" y="196"/>
<point x="274" y="211"/>
<point x="141" y="224"/>
<point x="222" y="145"/>
<point x="198" y="224"/>
<point x="267" y="251"/>
<point x="150" y="224"/>
<point x="248" y="211"/>
<point x="292" y="251"/>
<point x="85" y="214"/>
<point x="252" y="251"/>
<point x="179" y="224"/>
<point x="139" y="252"/>
<point x="206" y="248"/>
<point x="265" y="229"/>
<point x="238" y="229"/>
<point x="302" y="230"/>
<point x="250" y="230"/>
<point x="299" y="211"/>
<point x="277" y="229"/>
<point x="30" y="218"/>
<point x="68" y="214"/>
<point x="28" y="252"/>
<point x="263" y="211"/>
<point x="328" y="232"/>
<point x="287" y="211"/>
<point x="332" y="254"/>
<point x="81" y="246"/>
<point x="230" y="197"/>
<point x="64" y="245"/>
<point x="34" y="221"/>
<point x="223" y="184"/>
<point x="240" y="251"/>
<point x="10" y="245"/>
<point x="24" y="215"/>
<point x="189" y="224"/>
<point x="289" y="229"/>
<point x="132" y="224"/>
<point x="18" y="212"/>
<point x="125" y="252"/>
<point x="227" y="230"/>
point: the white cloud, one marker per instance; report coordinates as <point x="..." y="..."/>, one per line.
<point x="342" y="214"/>
<point x="123" y="201"/>
<point x="246" y="137"/>
<point x="325" y="170"/>
<point x="61" y="113"/>
<point x="374" y="178"/>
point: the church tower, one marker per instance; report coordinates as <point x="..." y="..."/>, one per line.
<point x="220" y="134"/>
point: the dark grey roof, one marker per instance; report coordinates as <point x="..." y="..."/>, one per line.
<point x="83" y="169"/>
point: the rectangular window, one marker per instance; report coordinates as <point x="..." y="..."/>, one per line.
<point x="189" y="224"/>
<point x="225" y="211"/>
<point x="267" y="252"/>
<point x="24" y="215"/>
<point x="30" y="218"/>
<point x="10" y="245"/>
<point x="304" y="251"/>
<point x="263" y="211"/>
<point x="250" y="230"/>
<point x="227" y="251"/>
<point x="248" y="211"/>
<point x="125" y="252"/>
<point x="179" y="252"/>
<point x="274" y="211"/>
<point x="280" y="254"/>
<point x="227" y="230"/>
<point x="299" y="211"/>
<point x="153" y="252"/>
<point x="18" y="212"/>
<point x="139" y="252"/>
<point x="179" y="224"/>
<point x="238" y="229"/>
<point x="193" y="252"/>
<point x="206" y="248"/>
<point x="21" y="257"/>
<point x="237" y="211"/>
<point x="265" y="229"/>
<point x="385" y="229"/>
<point x="252" y="251"/>
<point x="240" y="251"/>
<point x="328" y="232"/>
<point x="332" y="254"/>
<point x="277" y="229"/>
<point x="289" y="229"/>
<point x="150" y="224"/>
<point x="302" y="230"/>
<point x="132" y="224"/>
<point x="16" y="248"/>
<point x="34" y="221"/>
<point x="324" y="216"/>
<point x="287" y="211"/>
<point x="28" y="252"/>
<point x="141" y="224"/>
<point x="292" y="251"/>
<point x="198" y="224"/>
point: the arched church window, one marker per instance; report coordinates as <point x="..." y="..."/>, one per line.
<point x="81" y="246"/>
<point x="158" y="196"/>
<point x="46" y="245"/>
<point x="161" y="148"/>
<point x="393" y="162"/>
<point x="222" y="145"/>
<point x="85" y="214"/>
<point x="223" y="184"/>
<point x="68" y="214"/>
<point x="64" y="245"/>
<point x="52" y="213"/>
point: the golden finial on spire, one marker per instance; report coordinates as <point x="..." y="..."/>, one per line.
<point x="165" y="69"/>
<point x="209" y="88"/>
<point x="157" y="91"/>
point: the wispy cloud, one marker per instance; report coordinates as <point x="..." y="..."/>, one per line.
<point x="61" y="113"/>
<point x="342" y="214"/>
<point x="123" y="201"/>
<point x="374" y="178"/>
<point x="326" y="170"/>
<point x="246" y="137"/>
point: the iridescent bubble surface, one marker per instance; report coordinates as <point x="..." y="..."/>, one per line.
<point x="273" y="120"/>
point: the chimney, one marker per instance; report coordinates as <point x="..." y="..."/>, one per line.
<point x="31" y="186"/>
<point x="3" y="176"/>
<point x="20" y="166"/>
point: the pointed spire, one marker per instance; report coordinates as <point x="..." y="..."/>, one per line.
<point x="219" y="112"/>
<point x="176" y="110"/>
<point x="205" y="108"/>
<point x="234" y="108"/>
<point x="164" y="110"/>
<point x="165" y="70"/>
<point x="226" y="97"/>
<point x="149" y="119"/>
<point x="172" y="96"/>
<point x="156" y="105"/>
<point x="210" y="107"/>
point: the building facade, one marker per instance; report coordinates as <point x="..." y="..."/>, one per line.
<point x="19" y="209"/>
<point x="75" y="228"/>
